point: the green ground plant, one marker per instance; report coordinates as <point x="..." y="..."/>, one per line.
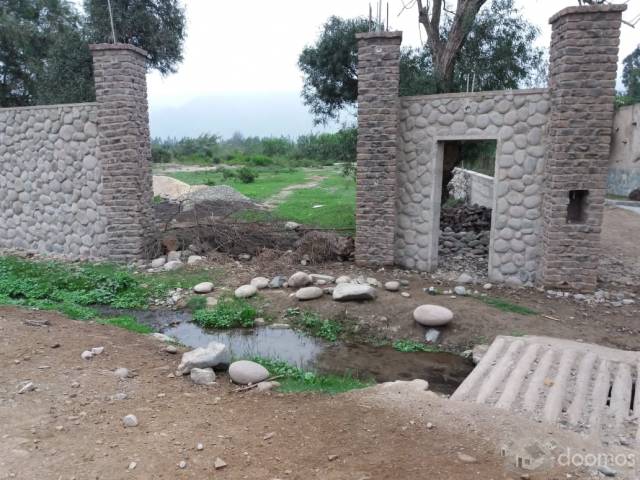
<point x="409" y="346"/>
<point x="315" y="325"/>
<point x="295" y="379"/>
<point x="506" y="306"/>
<point x="228" y="313"/>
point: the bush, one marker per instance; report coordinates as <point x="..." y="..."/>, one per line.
<point x="246" y="175"/>
<point x="228" y="313"/>
<point x="227" y="173"/>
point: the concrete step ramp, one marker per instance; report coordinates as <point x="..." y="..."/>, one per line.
<point x="587" y="388"/>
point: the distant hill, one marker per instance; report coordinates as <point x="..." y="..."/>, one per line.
<point x="259" y="114"/>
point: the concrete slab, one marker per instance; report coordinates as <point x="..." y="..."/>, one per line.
<point x="586" y="388"/>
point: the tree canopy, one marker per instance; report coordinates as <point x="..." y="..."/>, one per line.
<point x="44" y="55"/>
<point x="631" y="75"/>
<point x="498" y="50"/>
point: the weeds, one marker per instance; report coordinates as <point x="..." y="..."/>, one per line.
<point x="410" y="346"/>
<point x="228" y="313"/>
<point x="315" y="325"/>
<point x="196" y="303"/>
<point x="127" y="322"/>
<point x="506" y="306"/>
<point x="297" y="380"/>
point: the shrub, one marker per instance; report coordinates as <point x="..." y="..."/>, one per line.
<point x="311" y="322"/>
<point x="227" y="173"/>
<point x="246" y="175"/>
<point x="228" y="313"/>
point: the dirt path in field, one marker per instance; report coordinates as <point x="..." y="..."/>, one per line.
<point x="281" y="196"/>
<point x="71" y="426"/>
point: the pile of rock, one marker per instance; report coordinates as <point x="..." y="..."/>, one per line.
<point x="465" y="229"/>
<point x="464" y="242"/>
<point x="615" y="299"/>
<point x="173" y="261"/>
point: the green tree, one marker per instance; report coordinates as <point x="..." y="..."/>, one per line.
<point x="43" y="55"/>
<point x="631" y="75"/>
<point x="498" y="49"/>
<point x="158" y="26"/>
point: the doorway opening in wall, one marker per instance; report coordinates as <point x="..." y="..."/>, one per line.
<point x="468" y="168"/>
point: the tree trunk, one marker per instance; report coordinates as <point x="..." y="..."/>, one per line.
<point x="444" y="51"/>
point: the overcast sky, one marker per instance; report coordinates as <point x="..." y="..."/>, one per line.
<point x="240" y="62"/>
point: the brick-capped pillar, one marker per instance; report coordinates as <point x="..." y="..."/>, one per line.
<point x="124" y="148"/>
<point x="582" y="76"/>
<point x="378" y="102"/>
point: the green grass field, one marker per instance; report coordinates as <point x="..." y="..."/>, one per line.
<point x="268" y="183"/>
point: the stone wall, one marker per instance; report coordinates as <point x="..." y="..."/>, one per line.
<point x="624" y="165"/>
<point x="51" y="181"/>
<point x="472" y="187"/>
<point x="516" y="120"/>
<point x="582" y="77"/>
<point x="75" y="180"/>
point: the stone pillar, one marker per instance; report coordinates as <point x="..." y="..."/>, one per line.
<point x="582" y="76"/>
<point x="124" y="148"/>
<point x="378" y="104"/>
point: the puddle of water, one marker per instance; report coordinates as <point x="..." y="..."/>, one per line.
<point x="443" y="371"/>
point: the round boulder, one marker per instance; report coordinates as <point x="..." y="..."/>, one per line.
<point x="260" y="282"/>
<point x="309" y="293"/>
<point x="245" y="372"/>
<point x="246" y="291"/>
<point x="299" y="279"/>
<point x="204" y="287"/>
<point x="432" y="315"/>
<point x="392" y="286"/>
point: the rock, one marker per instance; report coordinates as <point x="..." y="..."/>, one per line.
<point x="244" y="257"/>
<point x="343" y="279"/>
<point x="432" y="315"/>
<point x="119" y="396"/>
<point x="203" y="376"/>
<point x="245" y="291"/>
<point x="97" y="350"/>
<point x="130" y="421"/>
<point x="182" y="464"/>
<point x="86" y="355"/>
<point x="373" y="282"/>
<point x="132" y="466"/>
<point x="404" y="282"/>
<point x="478" y="352"/>
<point x="260" y="282"/>
<point x="213" y="355"/>
<point x="392" y="286"/>
<point x="351" y="291"/>
<point x="331" y="458"/>
<point x="171" y="349"/>
<point x="432" y="335"/>
<point x="27" y="387"/>
<point x="635" y="195"/>
<point x="460" y="290"/>
<point x="212" y="302"/>
<point x="158" y="262"/>
<point x="194" y="259"/>
<point x="299" y="279"/>
<point x="199" y="447"/>
<point x="405" y="294"/>
<point x="219" y="463"/>
<point x="280" y="326"/>
<point x="309" y="293"/>
<point x="464" y="458"/>
<point x="316" y="278"/>
<point x="464" y="278"/>
<point x="244" y="372"/>
<point x="204" y="287"/>
<point x="259" y="322"/>
<point x="162" y="337"/>
<point x="121" y="373"/>
<point x="263" y="387"/>
<point x="291" y="226"/>
<point x="487" y="286"/>
<point x="278" y="281"/>
<point x="173" y="256"/>
<point x="173" y="265"/>
<point x="605" y="469"/>
<point x="418" y="385"/>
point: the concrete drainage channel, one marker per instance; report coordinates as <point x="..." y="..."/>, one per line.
<point x="587" y="388"/>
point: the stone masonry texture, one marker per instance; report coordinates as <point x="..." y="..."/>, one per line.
<point x="516" y="120"/>
<point x="51" y="181"/>
<point x="124" y="147"/>
<point x="583" y="65"/>
<point x="75" y="180"/>
<point x="378" y="80"/>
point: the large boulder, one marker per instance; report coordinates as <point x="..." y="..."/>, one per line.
<point x="203" y="376"/>
<point x="212" y="355"/>
<point x="204" y="287"/>
<point x="245" y="372"/>
<point x="260" y="282"/>
<point x="635" y="195"/>
<point x="344" y="292"/>
<point x="432" y="315"/>
<point x="158" y="262"/>
<point x="298" y="280"/>
<point x="246" y="291"/>
<point x="309" y="293"/>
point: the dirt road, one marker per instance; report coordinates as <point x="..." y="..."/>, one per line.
<point x="71" y="426"/>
